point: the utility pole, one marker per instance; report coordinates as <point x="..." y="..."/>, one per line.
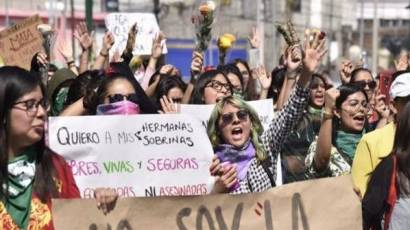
<point x="72" y="27"/>
<point x="332" y="36"/>
<point x="375" y="37"/>
<point x="260" y="29"/>
<point x="361" y="38"/>
<point x="274" y="35"/>
<point x="157" y="9"/>
<point x="7" y="13"/>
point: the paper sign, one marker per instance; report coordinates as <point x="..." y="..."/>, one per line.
<point x="264" y="108"/>
<point x="120" y="23"/>
<point x="20" y="42"/>
<point x="317" y="204"/>
<point x="138" y="155"/>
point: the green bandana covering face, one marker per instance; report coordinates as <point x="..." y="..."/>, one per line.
<point x="21" y="171"/>
<point x="347" y="142"/>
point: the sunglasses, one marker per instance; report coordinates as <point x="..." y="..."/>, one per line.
<point x="370" y="84"/>
<point x="228" y="118"/>
<point x="120" y="97"/>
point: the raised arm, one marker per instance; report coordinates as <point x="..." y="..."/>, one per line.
<point x="345" y="71"/>
<point x="65" y="50"/>
<point x="156" y="52"/>
<point x="86" y="42"/>
<point x="293" y="63"/>
<point x="264" y="79"/>
<point x="127" y="54"/>
<point x="196" y="68"/>
<point x="287" y="118"/>
<point x="108" y="42"/>
<point x="324" y="141"/>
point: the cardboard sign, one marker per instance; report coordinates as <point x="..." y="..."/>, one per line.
<point x="19" y="43"/>
<point x="264" y="108"/>
<point x="317" y="204"/>
<point x="138" y="155"/>
<point x="120" y="23"/>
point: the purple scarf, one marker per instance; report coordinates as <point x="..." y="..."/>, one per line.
<point x="118" y="108"/>
<point x="241" y="157"/>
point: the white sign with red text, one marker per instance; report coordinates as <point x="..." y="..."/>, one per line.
<point x="138" y="155"/>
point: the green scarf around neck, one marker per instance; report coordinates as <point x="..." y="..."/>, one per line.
<point x="313" y="111"/>
<point x="347" y="142"/>
<point x="21" y="171"/>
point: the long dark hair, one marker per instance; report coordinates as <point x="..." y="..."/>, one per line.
<point x="88" y="80"/>
<point x="401" y="148"/>
<point x="15" y="82"/>
<point x="345" y="91"/>
<point x="118" y="71"/>
<point x="166" y="84"/>
<point x="231" y="68"/>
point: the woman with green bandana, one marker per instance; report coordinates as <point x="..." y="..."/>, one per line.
<point x="296" y="146"/>
<point x="342" y="127"/>
<point x="30" y="173"/>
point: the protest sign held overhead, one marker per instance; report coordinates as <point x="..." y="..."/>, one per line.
<point x="120" y="23"/>
<point x="142" y="155"/>
<point x="294" y="206"/>
<point x="20" y="42"/>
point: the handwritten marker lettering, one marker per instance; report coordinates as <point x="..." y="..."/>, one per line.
<point x="65" y="137"/>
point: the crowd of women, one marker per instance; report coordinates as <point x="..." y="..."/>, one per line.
<point x="318" y="130"/>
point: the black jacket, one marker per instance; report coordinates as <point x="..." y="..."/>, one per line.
<point x="374" y="204"/>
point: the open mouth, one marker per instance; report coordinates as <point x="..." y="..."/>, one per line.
<point x="360" y="118"/>
<point x="319" y="96"/>
<point x="237" y="132"/>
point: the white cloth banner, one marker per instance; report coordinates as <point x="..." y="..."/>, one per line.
<point x="264" y="108"/>
<point x="138" y="155"/>
<point x="120" y="23"/>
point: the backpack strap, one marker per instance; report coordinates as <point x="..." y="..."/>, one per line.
<point x="265" y="165"/>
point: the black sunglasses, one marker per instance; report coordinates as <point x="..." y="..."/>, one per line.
<point x="228" y="118"/>
<point x="362" y="84"/>
<point x="120" y="97"/>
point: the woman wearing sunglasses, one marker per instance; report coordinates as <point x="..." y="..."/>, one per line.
<point x="117" y="93"/>
<point x="343" y="122"/>
<point x="379" y="112"/>
<point x="211" y="87"/>
<point x="245" y="155"/>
